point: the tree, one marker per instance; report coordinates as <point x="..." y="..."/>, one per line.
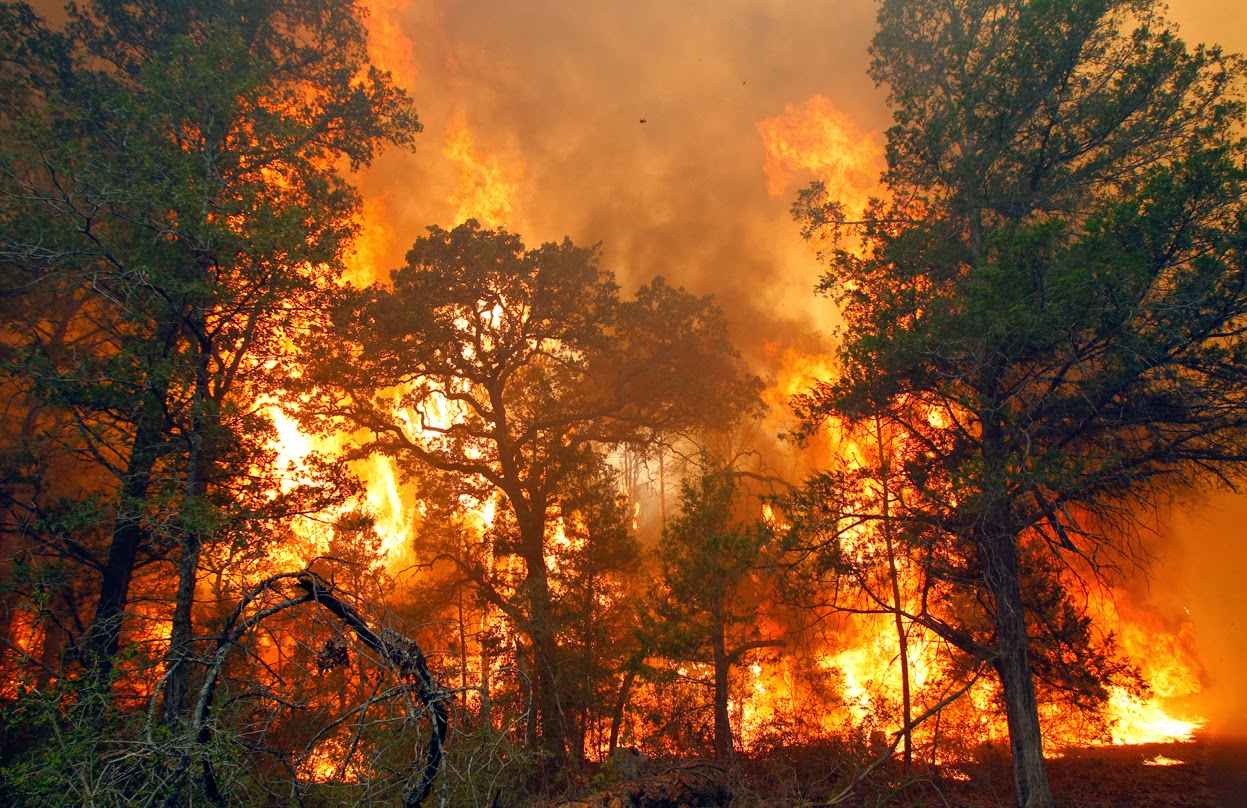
<point x="172" y="209"/>
<point x="499" y="374"/>
<point x="710" y="589"/>
<point x="1050" y="304"/>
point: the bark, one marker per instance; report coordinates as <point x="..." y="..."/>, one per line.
<point x="177" y="688"/>
<point x="621" y="705"/>
<point x="550" y="720"/>
<point x="1012" y="663"/>
<point x="198" y="467"/>
<point x="724" y="747"/>
<point x="128" y="537"/>
<point x="996" y="545"/>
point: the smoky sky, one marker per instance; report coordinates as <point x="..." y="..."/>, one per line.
<point x="633" y="124"/>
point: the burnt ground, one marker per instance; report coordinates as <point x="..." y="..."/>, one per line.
<point x="1207" y="773"/>
<point x="1101" y="777"/>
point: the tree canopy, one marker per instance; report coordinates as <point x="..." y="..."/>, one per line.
<point x="1050" y="302"/>
<point x="172" y="208"/>
<point x="508" y="372"/>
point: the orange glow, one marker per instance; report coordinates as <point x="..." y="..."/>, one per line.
<point x="1161" y="760"/>
<point x="1166" y="658"/>
<point x="487" y="182"/>
<point x="388" y="44"/>
<point x="816" y="138"/>
<point x="374" y="246"/>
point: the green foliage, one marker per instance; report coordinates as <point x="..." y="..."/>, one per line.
<point x="1049" y="307"/>
<point x="170" y="210"/>
<point x="173" y="206"/>
<point x="709" y="561"/>
<point x="711" y="589"/>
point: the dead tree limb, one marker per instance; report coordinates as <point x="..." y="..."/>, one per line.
<point x="399" y="652"/>
<point x="408" y="660"/>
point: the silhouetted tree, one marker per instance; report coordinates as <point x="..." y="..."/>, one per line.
<point x="1050" y="303"/>
<point x="504" y="373"/>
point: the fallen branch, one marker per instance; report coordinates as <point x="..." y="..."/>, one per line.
<point x="398" y="651"/>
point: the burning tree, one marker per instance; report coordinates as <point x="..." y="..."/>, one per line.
<point x="1049" y="307"/>
<point x="501" y="375"/>
<point x="710" y="589"/>
<point x="171" y="206"/>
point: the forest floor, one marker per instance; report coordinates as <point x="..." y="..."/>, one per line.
<point x="1206" y="773"/>
<point x="1171" y="775"/>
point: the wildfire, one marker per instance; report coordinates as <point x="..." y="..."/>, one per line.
<point x="1162" y="760"/>
<point x="816" y="138"/>
<point x="374" y="246"/>
<point x="1168" y="664"/>
<point x="388" y="44"/>
<point x="487" y="183"/>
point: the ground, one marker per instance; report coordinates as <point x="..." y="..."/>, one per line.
<point x="1206" y="773"/>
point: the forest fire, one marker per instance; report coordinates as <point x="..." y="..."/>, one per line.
<point x="313" y="499"/>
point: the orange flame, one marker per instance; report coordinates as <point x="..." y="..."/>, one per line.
<point x="389" y="47"/>
<point x="487" y="183"/>
<point x="816" y="138"/>
<point x="374" y="246"/>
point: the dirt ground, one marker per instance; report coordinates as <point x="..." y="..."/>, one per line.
<point x="1202" y="774"/>
<point x="1207" y="773"/>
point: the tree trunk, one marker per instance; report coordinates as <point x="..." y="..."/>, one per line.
<point x="902" y="640"/>
<point x="204" y="427"/>
<point x="177" y="690"/>
<point x="104" y="636"/>
<point x="544" y="637"/>
<point x="1030" y="774"/>
<point x="724" y="748"/>
<point x="621" y="704"/>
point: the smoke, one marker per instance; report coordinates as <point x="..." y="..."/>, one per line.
<point x="1202" y="571"/>
<point x="633" y="124"/>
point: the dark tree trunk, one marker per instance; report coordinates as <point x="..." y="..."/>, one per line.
<point x="724" y="748"/>
<point x="128" y="536"/>
<point x="204" y="427"/>
<point x="544" y="637"/>
<point x="621" y="705"/>
<point x="177" y="689"/>
<point x="1030" y="773"/>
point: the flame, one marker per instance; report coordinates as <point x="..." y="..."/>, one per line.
<point x="325" y="763"/>
<point x="374" y="246"/>
<point x="1168" y="664"/>
<point x="1162" y="760"/>
<point x="487" y="183"/>
<point x="389" y="47"/>
<point x="816" y="138"/>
